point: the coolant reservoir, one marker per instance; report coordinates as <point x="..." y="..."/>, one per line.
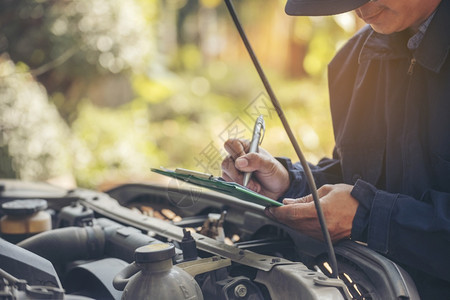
<point x="24" y="218"/>
<point x="158" y="278"/>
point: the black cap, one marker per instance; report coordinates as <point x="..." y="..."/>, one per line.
<point x="24" y="207"/>
<point x="321" y="7"/>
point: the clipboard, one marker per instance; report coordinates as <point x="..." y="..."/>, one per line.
<point x="218" y="184"/>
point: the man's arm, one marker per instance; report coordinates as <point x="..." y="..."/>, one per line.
<point x="327" y="171"/>
<point x="409" y="231"/>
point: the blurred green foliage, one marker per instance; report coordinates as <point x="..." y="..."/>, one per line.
<point x="145" y="84"/>
<point x="32" y="143"/>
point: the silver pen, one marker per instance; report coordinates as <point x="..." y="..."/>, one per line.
<point x="256" y="141"/>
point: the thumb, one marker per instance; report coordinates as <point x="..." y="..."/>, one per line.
<point x="256" y="161"/>
<point x="241" y="163"/>
<point x="289" y="213"/>
<point x="250" y="162"/>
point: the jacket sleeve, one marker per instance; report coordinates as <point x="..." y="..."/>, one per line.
<point x="410" y="231"/>
<point x="327" y="171"/>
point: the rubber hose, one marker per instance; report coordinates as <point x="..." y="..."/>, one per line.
<point x="64" y="245"/>
<point x="122" y="278"/>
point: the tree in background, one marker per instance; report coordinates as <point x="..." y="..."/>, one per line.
<point x="79" y="49"/>
<point x="36" y="141"/>
<point x="146" y="83"/>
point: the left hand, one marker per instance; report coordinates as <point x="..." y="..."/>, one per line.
<point x="338" y="206"/>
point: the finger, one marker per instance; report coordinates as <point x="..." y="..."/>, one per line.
<point x="289" y="214"/>
<point x="324" y="190"/>
<point x="256" y="162"/>
<point x="237" y="147"/>
<point x="229" y="171"/>
<point x="268" y="212"/>
<point x="254" y="186"/>
<point x="305" y="199"/>
<point x="226" y="177"/>
<point x="227" y="163"/>
<point x="239" y="178"/>
<point x="321" y="192"/>
<point x="250" y="162"/>
<point x="287" y="201"/>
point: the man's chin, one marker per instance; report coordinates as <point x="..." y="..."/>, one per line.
<point x="382" y="29"/>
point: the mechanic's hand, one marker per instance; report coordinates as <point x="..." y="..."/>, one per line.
<point x="269" y="177"/>
<point x="338" y="206"/>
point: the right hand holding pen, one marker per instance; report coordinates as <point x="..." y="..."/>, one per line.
<point x="270" y="178"/>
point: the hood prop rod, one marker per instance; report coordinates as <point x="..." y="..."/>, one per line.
<point x="304" y="163"/>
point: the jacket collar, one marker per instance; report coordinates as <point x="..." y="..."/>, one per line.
<point x="435" y="46"/>
<point x="432" y="51"/>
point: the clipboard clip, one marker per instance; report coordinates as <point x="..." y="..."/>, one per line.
<point x="193" y="173"/>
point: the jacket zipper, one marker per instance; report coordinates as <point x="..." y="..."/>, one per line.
<point x="411" y="66"/>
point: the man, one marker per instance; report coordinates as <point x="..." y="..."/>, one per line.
<point x="388" y="184"/>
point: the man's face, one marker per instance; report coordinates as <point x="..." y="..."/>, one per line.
<point x="389" y="16"/>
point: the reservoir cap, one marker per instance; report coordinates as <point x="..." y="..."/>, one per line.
<point x="23" y="207"/>
<point x="154" y="252"/>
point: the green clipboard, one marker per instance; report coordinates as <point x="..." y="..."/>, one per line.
<point x="219" y="185"/>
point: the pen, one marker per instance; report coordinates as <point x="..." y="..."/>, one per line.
<point x="256" y="141"/>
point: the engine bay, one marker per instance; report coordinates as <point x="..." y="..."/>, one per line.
<point x="175" y="241"/>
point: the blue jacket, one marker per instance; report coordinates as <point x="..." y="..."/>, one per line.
<point x="391" y="118"/>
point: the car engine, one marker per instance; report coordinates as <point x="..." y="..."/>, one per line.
<point x="171" y="241"/>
